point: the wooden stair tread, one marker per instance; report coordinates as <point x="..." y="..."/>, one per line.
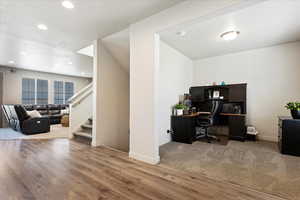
<point x="87" y="126"/>
<point x="83" y="134"/>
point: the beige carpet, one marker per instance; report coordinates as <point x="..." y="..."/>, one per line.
<point x="257" y="165"/>
<point x="56" y="131"/>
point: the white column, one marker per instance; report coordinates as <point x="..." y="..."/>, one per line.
<point x="96" y="93"/>
<point x="144" y="49"/>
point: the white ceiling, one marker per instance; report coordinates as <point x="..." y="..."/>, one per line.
<point x="68" y="31"/>
<point x="40" y="57"/>
<point x="261" y="25"/>
<point x="74" y="29"/>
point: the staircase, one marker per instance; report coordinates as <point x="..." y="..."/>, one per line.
<point x="84" y="134"/>
<point x="81" y="108"/>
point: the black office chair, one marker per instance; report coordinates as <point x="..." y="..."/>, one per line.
<point x="210" y="120"/>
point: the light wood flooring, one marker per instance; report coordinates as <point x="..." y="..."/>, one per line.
<point x="62" y="169"/>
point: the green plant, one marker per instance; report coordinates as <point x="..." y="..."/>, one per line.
<point x="180" y="106"/>
<point x="293" y="106"/>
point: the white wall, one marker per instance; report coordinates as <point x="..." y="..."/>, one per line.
<point x="272" y="75"/>
<point x="111" y="100"/>
<point x="175" y="79"/>
<point x="144" y="70"/>
<point x="12" y="83"/>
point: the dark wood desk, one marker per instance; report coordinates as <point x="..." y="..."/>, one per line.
<point x="231" y="114"/>
<point x="234" y="100"/>
<point x="184" y="131"/>
<point x="194" y="114"/>
<point x="208" y="113"/>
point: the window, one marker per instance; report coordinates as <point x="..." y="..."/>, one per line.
<point x="69" y="90"/>
<point x="58" y="92"/>
<point x="41" y="91"/>
<point x="28" y="91"/>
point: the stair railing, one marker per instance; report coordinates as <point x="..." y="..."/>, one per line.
<point x="81" y="94"/>
<point x="80" y="108"/>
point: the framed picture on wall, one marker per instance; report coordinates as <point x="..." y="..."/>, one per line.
<point x="216" y="94"/>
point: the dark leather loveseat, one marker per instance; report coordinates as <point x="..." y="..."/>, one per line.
<point x="19" y="120"/>
<point x="52" y="111"/>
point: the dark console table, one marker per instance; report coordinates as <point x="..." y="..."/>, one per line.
<point x="289" y="136"/>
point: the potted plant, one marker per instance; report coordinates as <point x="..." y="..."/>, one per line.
<point x="294" y="107"/>
<point x="179" y="109"/>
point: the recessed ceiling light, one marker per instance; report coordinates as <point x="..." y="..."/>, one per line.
<point x="70" y="63"/>
<point x="68" y="4"/>
<point x="23" y="53"/>
<point x="42" y="27"/>
<point x="181" y="33"/>
<point x="230" y="35"/>
<point x="11" y="62"/>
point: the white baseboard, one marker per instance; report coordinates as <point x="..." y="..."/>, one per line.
<point x="143" y="158"/>
<point x="268" y="138"/>
<point x="94" y="143"/>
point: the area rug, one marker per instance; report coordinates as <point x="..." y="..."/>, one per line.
<point x="56" y="131"/>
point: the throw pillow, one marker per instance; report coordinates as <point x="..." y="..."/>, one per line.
<point x="65" y="112"/>
<point x="34" y="114"/>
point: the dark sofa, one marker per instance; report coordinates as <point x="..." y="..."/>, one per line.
<point x="52" y="111"/>
<point x="19" y="120"/>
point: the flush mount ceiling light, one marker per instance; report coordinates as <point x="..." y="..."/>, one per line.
<point x="230" y="35"/>
<point x="68" y="4"/>
<point x="70" y="63"/>
<point x="42" y="27"/>
<point x="181" y="33"/>
<point x="11" y="62"/>
<point x="23" y="53"/>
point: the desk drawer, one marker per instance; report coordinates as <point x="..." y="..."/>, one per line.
<point x="237" y="128"/>
<point x="183" y="129"/>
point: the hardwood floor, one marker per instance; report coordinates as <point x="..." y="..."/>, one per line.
<point x="62" y="169"/>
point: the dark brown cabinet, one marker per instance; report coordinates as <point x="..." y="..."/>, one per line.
<point x="183" y="129"/>
<point x="237" y="128"/>
<point x="237" y="93"/>
<point x="199" y="94"/>
<point x="289" y="136"/>
<point x="232" y="93"/>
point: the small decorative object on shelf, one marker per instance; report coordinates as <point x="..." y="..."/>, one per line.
<point x="214" y="83"/>
<point x="194" y="110"/>
<point x="294" y="107"/>
<point x="223" y="83"/>
<point x="179" y="109"/>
